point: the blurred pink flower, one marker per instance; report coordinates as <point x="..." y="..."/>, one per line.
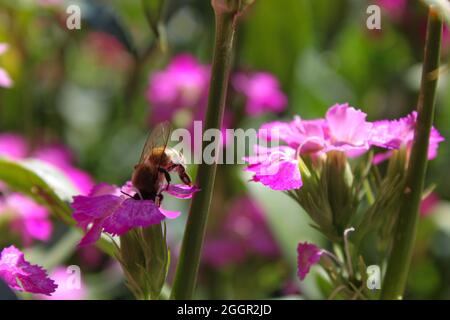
<point x="107" y="209"/>
<point x="219" y="253"/>
<point x="262" y="92"/>
<point x="20" y="275"/>
<point x="247" y="220"/>
<point x="13" y="146"/>
<point x="91" y="256"/>
<point x="49" y="2"/>
<point x="68" y="289"/>
<point x="290" y="288"/>
<point x="61" y="157"/>
<point x="29" y="219"/>
<point x="55" y="154"/>
<point x="107" y="50"/>
<point x="243" y="232"/>
<point x="394" y="8"/>
<point x="445" y="38"/>
<point x="308" y="255"/>
<point x="183" y="84"/>
<point x="5" y="79"/>
<point x="428" y="204"/>
<point x="393" y="134"/>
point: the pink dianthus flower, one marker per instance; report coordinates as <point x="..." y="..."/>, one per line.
<point x="20" y="275"/>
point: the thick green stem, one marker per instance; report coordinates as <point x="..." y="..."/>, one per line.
<point x="404" y="238"/>
<point x="189" y="259"/>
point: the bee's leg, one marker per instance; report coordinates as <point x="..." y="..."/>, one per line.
<point x="123" y="192"/>
<point x="183" y="174"/>
<point x="181" y="170"/>
<point x="166" y="175"/>
<point x="158" y="199"/>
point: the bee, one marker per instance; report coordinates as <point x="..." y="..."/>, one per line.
<point x="151" y="176"/>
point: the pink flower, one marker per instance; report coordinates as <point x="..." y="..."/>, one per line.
<point x="247" y="220"/>
<point x="20" y="275"/>
<point x="219" y="252"/>
<point x="13" y="146"/>
<point x="91" y="257"/>
<point x="307" y="136"/>
<point x="262" y="91"/>
<point x="5" y="79"/>
<point x="393" y="134"/>
<point x="55" y="154"/>
<point x="107" y="209"/>
<point x="348" y="129"/>
<point x="107" y="50"/>
<point x="275" y="167"/>
<point x="62" y="158"/>
<point x="243" y="232"/>
<point x="344" y="129"/>
<point x="428" y="204"/>
<point x="29" y="219"/>
<point x="45" y="3"/>
<point x="183" y="84"/>
<point x="395" y="8"/>
<point x="308" y="255"/>
<point x="68" y="288"/>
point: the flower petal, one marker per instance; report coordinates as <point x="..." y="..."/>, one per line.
<point x="20" y="275"/>
<point x="308" y="255"/>
<point x="348" y="126"/>
<point x="182" y="191"/>
<point x="133" y="213"/>
<point x="170" y="214"/>
<point x="276" y="168"/>
<point x="5" y="79"/>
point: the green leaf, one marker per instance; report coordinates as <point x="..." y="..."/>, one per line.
<point x="22" y="179"/>
<point x="35" y="179"/>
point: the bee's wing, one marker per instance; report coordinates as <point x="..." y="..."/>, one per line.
<point x="158" y="138"/>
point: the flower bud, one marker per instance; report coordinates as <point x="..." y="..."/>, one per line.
<point x="144" y="257"/>
<point x="341" y="197"/>
<point x="327" y="194"/>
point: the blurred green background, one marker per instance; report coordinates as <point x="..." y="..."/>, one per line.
<point x="70" y="86"/>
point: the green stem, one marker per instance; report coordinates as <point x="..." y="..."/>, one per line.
<point x="400" y="257"/>
<point x="189" y="259"/>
